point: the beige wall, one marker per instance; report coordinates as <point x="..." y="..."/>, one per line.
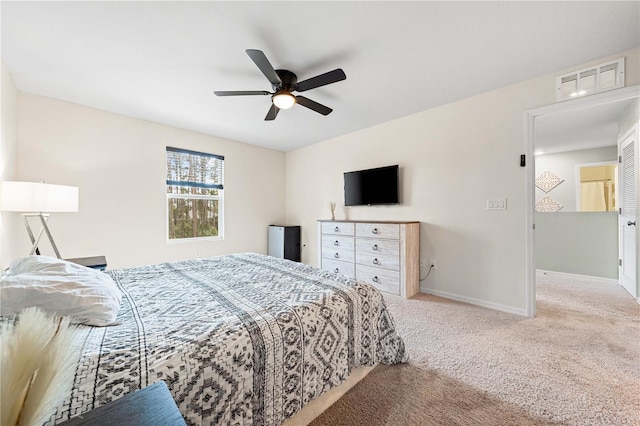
<point x="10" y="225"/>
<point x="606" y="172"/>
<point x="452" y="158"/>
<point x="119" y="164"/>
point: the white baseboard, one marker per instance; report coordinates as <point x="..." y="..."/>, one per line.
<point x="477" y="302"/>
<point x="582" y="277"/>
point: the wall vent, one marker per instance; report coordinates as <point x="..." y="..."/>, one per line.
<point x="596" y="79"/>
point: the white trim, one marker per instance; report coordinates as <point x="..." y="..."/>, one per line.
<point x="530" y="137"/>
<point x="582" y="277"/>
<point x="476" y="302"/>
<point x="194" y="239"/>
<point x="529" y="214"/>
<point x="588" y="101"/>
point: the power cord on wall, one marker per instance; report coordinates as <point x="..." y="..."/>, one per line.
<point x="428" y="272"/>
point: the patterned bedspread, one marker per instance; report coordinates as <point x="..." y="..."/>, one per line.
<point x="241" y="339"/>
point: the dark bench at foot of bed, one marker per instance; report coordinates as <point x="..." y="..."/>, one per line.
<point x="151" y="406"/>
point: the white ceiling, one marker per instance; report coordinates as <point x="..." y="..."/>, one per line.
<point x="161" y="61"/>
<point x="587" y="128"/>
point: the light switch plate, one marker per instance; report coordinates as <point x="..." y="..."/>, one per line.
<point x="496" y="203"/>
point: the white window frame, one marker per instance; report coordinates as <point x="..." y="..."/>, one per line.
<point x="219" y="198"/>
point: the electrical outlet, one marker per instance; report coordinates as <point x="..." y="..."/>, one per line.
<point x="423" y="263"/>
<point x="433" y="263"/>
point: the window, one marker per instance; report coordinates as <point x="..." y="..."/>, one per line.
<point x="195" y="186"/>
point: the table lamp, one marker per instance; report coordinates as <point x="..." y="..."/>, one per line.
<point x="35" y="199"/>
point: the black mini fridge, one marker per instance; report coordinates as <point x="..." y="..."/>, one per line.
<point x="284" y="242"/>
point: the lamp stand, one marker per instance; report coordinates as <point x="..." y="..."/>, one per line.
<point x="43" y="219"/>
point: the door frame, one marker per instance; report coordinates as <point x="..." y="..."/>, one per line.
<point x="530" y="116"/>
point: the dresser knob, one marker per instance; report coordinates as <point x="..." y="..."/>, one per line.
<point x="336" y="255"/>
<point x="375" y="230"/>
<point x="336" y="229"/>
<point x="375" y="262"/>
<point x="336" y="243"/>
<point x="375" y="247"/>
<point x="374" y="279"/>
<point x="336" y="270"/>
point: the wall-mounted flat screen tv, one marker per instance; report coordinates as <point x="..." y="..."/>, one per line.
<point x="371" y="186"/>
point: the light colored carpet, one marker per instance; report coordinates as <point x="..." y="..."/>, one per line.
<point x="576" y="363"/>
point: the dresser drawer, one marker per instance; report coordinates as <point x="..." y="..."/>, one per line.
<point x="384" y="280"/>
<point x="338" y="254"/>
<point x="378" y="230"/>
<point x="332" y="242"/>
<point x="378" y="261"/>
<point x="338" y="228"/>
<point x="378" y="247"/>
<point x="338" y="267"/>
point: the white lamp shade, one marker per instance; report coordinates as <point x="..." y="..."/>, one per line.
<point x="34" y="197"/>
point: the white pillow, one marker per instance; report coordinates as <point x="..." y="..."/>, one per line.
<point x="60" y="287"/>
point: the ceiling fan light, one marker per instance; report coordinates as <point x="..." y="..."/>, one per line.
<point x="283" y="100"/>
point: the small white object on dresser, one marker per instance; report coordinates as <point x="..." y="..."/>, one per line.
<point x="383" y="254"/>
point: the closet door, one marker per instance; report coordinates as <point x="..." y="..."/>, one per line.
<point x="628" y="151"/>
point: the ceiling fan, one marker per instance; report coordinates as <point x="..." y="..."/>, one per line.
<point x="283" y="82"/>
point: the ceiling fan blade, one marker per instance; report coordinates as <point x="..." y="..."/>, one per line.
<point x="321" y="80"/>
<point x="265" y="66"/>
<point x="273" y="113"/>
<point x="306" y="102"/>
<point x="241" y="92"/>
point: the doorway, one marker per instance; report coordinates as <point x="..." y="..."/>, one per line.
<point x="624" y="94"/>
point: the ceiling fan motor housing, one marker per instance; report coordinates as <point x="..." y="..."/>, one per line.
<point x="288" y="79"/>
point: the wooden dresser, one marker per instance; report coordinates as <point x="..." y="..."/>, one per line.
<point x="383" y="254"/>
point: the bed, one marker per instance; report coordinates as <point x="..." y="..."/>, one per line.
<point x="242" y="339"/>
